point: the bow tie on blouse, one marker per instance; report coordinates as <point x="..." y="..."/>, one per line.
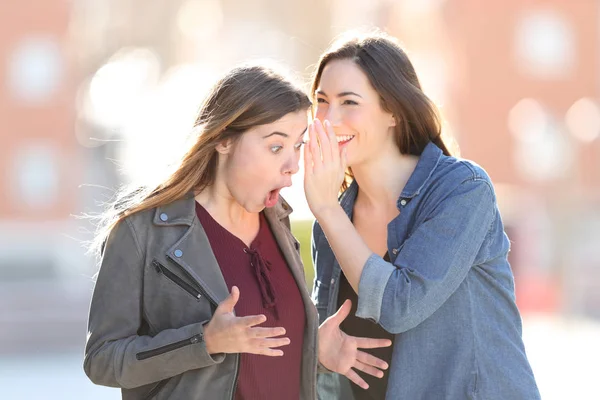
<point x="262" y="272"/>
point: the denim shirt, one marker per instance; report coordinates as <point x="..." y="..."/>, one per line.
<point x="447" y="294"/>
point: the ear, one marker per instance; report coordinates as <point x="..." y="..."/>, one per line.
<point x="393" y="122"/>
<point x="225" y="146"/>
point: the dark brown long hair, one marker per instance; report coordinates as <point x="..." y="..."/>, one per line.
<point x="393" y="76"/>
<point x="246" y="97"/>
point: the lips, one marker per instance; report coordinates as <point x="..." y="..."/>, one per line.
<point x="343" y="139"/>
<point x="273" y="195"/>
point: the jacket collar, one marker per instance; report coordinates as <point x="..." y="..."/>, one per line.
<point x="428" y="161"/>
<point x="183" y="211"/>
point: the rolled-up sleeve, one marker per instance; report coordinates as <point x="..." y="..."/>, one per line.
<point x="431" y="264"/>
<point x="371" y="287"/>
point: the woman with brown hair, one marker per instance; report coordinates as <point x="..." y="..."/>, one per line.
<point x="416" y="240"/>
<point x="201" y="292"/>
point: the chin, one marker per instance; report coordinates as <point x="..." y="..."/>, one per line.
<point x="254" y="207"/>
<point x="350" y="162"/>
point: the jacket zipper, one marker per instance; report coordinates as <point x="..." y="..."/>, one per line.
<point x="179" y="282"/>
<point x="143" y="355"/>
<point x="202" y="291"/>
<point x="197" y="294"/>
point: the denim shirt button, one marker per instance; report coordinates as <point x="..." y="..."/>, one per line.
<point x="395" y="251"/>
<point x="164" y="217"/>
<point x="332" y="281"/>
<point x="403" y="202"/>
<point x="178" y="253"/>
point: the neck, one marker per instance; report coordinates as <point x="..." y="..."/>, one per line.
<point x="382" y="180"/>
<point x="221" y="205"/>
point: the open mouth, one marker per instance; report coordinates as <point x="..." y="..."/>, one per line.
<point x="272" y="198"/>
<point x="343" y="139"/>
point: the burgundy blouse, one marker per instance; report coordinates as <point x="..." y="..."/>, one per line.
<point x="266" y="287"/>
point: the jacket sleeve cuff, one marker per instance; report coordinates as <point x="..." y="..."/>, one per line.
<point x="373" y="280"/>
<point x="203" y="356"/>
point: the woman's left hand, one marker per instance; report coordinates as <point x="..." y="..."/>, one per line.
<point x="340" y="353"/>
<point x="324" y="168"/>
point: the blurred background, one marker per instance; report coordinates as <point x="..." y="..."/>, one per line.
<point x="94" y="93"/>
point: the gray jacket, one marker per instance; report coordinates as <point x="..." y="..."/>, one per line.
<point x="158" y="283"/>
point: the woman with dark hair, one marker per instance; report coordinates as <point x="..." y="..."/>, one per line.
<point x="415" y="240"/>
<point x="201" y="291"/>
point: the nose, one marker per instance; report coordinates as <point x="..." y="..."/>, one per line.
<point x="292" y="166"/>
<point x="332" y="115"/>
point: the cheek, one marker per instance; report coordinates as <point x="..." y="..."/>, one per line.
<point x="353" y="117"/>
<point x="252" y="169"/>
<point x="239" y="162"/>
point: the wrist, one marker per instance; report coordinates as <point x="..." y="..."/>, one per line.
<point x="328" y="213"/>
<point x="208" y="342"/>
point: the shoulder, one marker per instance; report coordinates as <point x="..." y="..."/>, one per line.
<point x="452" y="173"/>
<point x="142" y="220"/>
<point x="177" y="213"/>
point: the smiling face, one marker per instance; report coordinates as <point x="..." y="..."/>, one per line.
<point x="262" y="161"/>
<point x="346" y="98"/>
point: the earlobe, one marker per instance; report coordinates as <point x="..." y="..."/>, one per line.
<point x="224" y="147"/>
<point x="393" y="121"/>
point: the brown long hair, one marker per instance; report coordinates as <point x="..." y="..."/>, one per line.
<point x="247" y="96"/>
<point x="393" y="76"/>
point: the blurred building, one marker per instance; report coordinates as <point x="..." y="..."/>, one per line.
<point x="519" y="86"/>
<point x="41" y="168"/>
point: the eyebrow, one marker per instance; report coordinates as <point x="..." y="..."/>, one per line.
<point x="285" y="135"/>
<point x="342" y="94"/>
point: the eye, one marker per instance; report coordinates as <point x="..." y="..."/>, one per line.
<point x="276" y="149"/>
<point x="350" y="103"/>
<point x="298" y="146"/>
<point x="321" y="100"/>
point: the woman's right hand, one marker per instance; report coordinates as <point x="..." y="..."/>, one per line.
<point x="226" y="333"/>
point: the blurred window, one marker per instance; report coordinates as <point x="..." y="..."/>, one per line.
<point x="35" y="175"/>
<point x="35" y="69"/>
<point x="545" y="45"/>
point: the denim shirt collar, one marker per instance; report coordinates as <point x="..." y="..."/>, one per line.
<point x="428" y="161"/>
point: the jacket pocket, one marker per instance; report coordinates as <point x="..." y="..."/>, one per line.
<point x="144" y="355"/>
<point x="177" y="280"/>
